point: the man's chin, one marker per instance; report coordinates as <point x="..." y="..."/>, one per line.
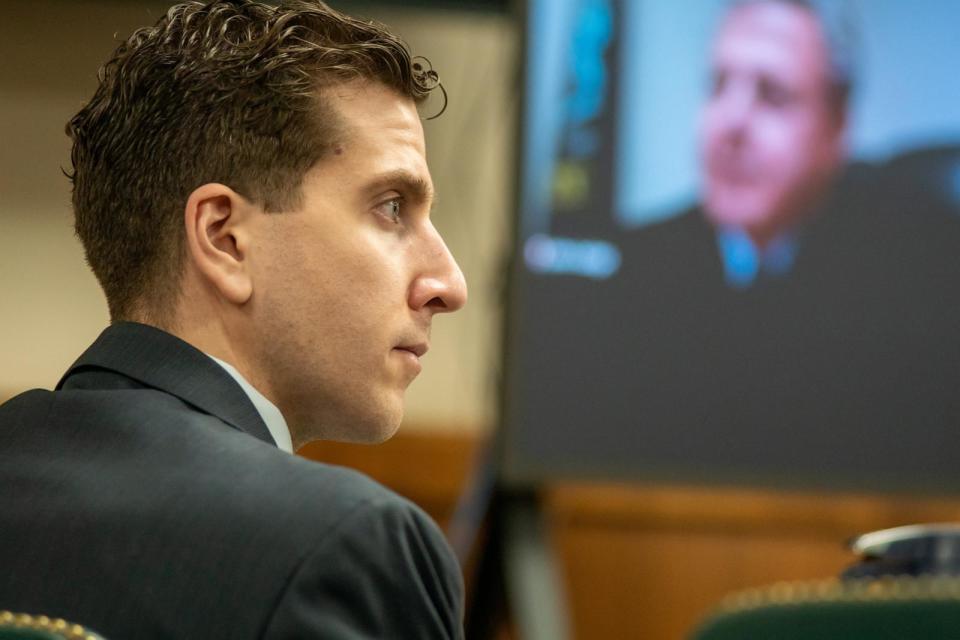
<point x="358" y="428"/>
<point x="736" y="212"/>
<point x="380" y="431"/>
<point x="374" y="428"/>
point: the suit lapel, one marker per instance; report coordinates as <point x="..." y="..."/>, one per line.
<point x="160" y="360"/>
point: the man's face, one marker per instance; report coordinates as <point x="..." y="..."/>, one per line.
<point x="770" y="135"/>
<point x="346" y="286"/>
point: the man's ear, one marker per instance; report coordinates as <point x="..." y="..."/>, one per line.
<point x="217" y="223"/>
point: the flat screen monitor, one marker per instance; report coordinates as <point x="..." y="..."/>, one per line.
<point x="738" y="245"/>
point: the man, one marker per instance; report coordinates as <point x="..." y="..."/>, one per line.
<point x="252" y="193"/>
<point x="771" y="132"/>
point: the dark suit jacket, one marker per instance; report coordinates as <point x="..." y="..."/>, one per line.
<point x="145" y="498"/>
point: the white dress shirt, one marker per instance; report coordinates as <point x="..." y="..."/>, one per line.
<point x="272" y="417"/>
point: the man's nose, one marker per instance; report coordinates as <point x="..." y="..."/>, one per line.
<point x="736" y="106"/>
<point x="441" y="287"/>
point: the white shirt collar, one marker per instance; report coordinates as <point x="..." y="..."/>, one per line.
<point x="268" y="411"/>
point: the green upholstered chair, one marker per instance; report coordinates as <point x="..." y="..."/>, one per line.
<point x="894" y="608"/>
<point x="23" y="626"/>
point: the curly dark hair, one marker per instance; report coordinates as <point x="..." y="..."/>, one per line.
<point x="230" y="91"/>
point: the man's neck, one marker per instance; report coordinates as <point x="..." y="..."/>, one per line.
<point x="268" y="411"/>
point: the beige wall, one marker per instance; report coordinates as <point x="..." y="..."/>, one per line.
<point x="51" y="305"/>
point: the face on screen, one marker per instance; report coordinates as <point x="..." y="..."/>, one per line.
<point x="770" y="136"/>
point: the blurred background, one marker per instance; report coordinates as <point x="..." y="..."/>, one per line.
<point x="713" y="285"/>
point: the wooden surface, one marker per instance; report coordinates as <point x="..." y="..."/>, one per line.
<point x="647" y="561"/>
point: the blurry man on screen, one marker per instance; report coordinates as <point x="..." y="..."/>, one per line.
<point x="771" y="131"/>
<point x="251" y="190"/>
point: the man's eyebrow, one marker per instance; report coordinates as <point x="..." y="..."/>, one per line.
<point x="408" y="183"/>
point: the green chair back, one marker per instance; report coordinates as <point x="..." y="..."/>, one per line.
<point x="877" y="609"/>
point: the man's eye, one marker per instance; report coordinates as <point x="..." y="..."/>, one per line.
<point x="774" y="94"/>
<point x="391" y="209"/>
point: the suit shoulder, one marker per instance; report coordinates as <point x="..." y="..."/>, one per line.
<point x="686" y="229"/>
<point x="342" y="492"/>
<point x="354" y="486"/>
<point x="684" y="222"/>
<point x="382" y="569"/>
<point x="682" y="246"/>
<point x="29" y="405"/>
<point x="31" y="398"/>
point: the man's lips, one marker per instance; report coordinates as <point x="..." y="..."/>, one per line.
<point x="419" y="349"/>
<point x="733" y="168"/>
<point x="733" y="174"/>
<point x="411" y="354"/>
